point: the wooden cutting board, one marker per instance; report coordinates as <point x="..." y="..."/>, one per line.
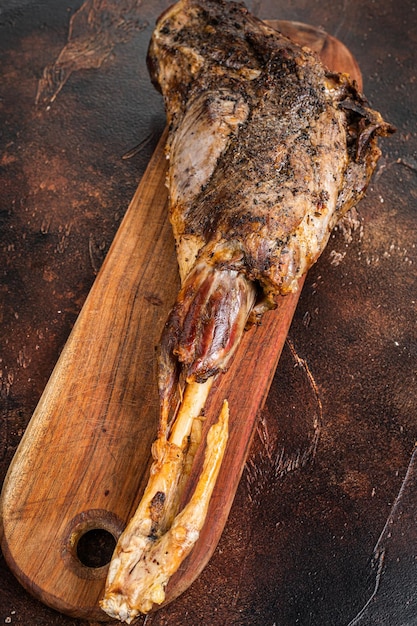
<point x="83" y="461"/>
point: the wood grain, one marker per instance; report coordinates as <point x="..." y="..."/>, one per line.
<point x="82" y="463"/>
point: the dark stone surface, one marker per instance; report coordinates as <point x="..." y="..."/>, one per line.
<point x="337" y="434"/>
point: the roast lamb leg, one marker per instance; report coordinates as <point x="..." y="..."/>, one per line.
<point x="267" y="151"/>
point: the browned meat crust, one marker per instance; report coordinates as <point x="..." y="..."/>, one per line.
<point x="267" y="148"/>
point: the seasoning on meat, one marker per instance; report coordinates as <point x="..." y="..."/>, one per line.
<point x="267" y="151"/>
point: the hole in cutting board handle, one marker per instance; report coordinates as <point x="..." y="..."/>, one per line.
<point x="89" y="541"/>
<point x="95" y="547"/>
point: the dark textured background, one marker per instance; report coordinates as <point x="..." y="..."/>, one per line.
<point x="307" y="518"/>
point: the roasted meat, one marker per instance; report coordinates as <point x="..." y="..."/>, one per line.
<point x="267" y="151"/>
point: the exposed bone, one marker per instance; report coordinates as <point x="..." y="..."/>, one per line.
<point x="158" y="538"/>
